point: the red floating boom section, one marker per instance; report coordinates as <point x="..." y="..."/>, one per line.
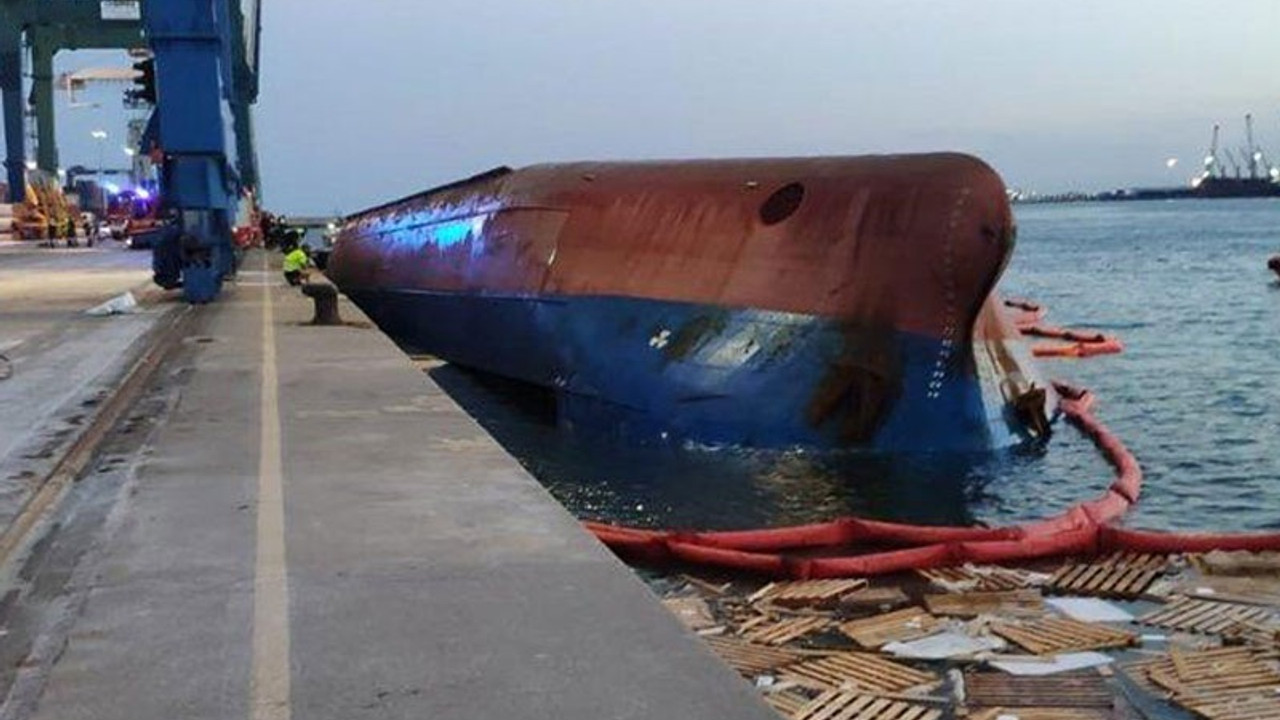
<point x="1077" y="343"/>
<point x="807" y="551"/>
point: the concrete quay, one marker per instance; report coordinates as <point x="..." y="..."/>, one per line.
<point x="302" y="524"/>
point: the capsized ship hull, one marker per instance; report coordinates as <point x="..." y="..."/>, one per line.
<point x="820" y="302"/>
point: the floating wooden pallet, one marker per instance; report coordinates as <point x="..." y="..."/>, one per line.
<point x="750" y="659"/>
<point x="1081" y="689"/>
<point x="1229" y="588"/>
<point x="865" y="671"/>
<point x="1044" y="713"/>
<point x="972" y="604"/>
<point x="807" y="593"/>
<point x="984" y="577"/>
<point x="874" y="599"/>
<point x="1221" y="684"/>
<point x="852" y="705"/>
<point x="1210" y="661"/>
<point x="1239" y="562"/>
<point x="768" y="631"/>
<point x="900" y="625"/>
<point x="1122" y="575"/>
<point x="1051" y="635"/>
<point x="786" y="702"/>
<point x="1207" y="616"/>
<point x="1255" y="706"/>
<point x="1205" y="675"/>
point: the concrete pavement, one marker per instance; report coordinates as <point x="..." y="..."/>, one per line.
<point x="318" y="531"/>
<point x="58" y="362"/>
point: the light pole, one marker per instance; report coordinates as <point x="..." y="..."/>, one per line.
<point x="135" y="177"/>
<point x="100" y="136"/>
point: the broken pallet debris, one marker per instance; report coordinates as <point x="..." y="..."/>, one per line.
<point x="1081" y="689"/>
<point x="1121" y="575"/>
<point x="897" y="626"/>
<point x="806" y="593"/>
<point x="750" y="659"/>
<point x="863" y="670"/>
<point x="980" y="577"/>
<point x="878" y="598"/>
<point x="1239" y="562"/>
<point x="973" y="604"/>
<point x="1206" y="674"/>
<point x="1052" y="635"/>
<point x="852" y="705"/>
<point x="1249" y="706"/>
<point x="1207" y="616"/>
<point x="855" y="705"/>
<point x="766" y="630"/>
<point x="866" y="671"/>
<point x="1044" y="713"/>
<point x="787" y="702"/>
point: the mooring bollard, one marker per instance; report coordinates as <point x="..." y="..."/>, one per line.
<point x="326" y="299"/>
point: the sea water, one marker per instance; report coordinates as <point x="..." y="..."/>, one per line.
<point x="1195" y="396"/>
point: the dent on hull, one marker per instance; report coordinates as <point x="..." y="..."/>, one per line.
<point x="674" y="299"/>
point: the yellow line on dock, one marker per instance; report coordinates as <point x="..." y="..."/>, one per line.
<point x="269" y="690"/>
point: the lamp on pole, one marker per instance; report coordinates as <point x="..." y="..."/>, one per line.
<point x="135" y="177"/>
<point x="100" y="136"/>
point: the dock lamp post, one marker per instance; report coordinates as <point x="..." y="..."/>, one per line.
<point x="100" y="136"/>
<point x="134" y="175"/>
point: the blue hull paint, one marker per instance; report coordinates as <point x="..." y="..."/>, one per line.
<point x="708" y="374"/>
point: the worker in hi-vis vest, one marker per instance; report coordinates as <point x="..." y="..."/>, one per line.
<point x="296" y="261"/>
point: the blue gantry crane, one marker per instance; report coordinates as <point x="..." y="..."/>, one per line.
<point x="204" y="61"/>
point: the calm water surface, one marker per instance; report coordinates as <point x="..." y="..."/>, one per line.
<point x="1196" y="396"/>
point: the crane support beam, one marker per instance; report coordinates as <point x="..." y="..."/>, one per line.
<point x="15" y="157"/>
<point x="49" y="26"/>
<point x="42" y="103"/>
<point x="189" y="41"/>
<point x="244" y="92"/>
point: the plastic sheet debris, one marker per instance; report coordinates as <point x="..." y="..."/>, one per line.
<point x="943" y="646"/>
<point x="1089" y="609"/>
<point x="692" y="611"/>
<point x="1065" y="662"/>
<point x="118" y="305"/>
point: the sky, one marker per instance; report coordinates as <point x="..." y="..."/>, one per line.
<point x="366" y="101"/>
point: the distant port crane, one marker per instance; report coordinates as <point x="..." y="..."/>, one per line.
<point x="1212" y="165"/>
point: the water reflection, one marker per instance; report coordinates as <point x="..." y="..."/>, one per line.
<point x="601" y="477"/>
